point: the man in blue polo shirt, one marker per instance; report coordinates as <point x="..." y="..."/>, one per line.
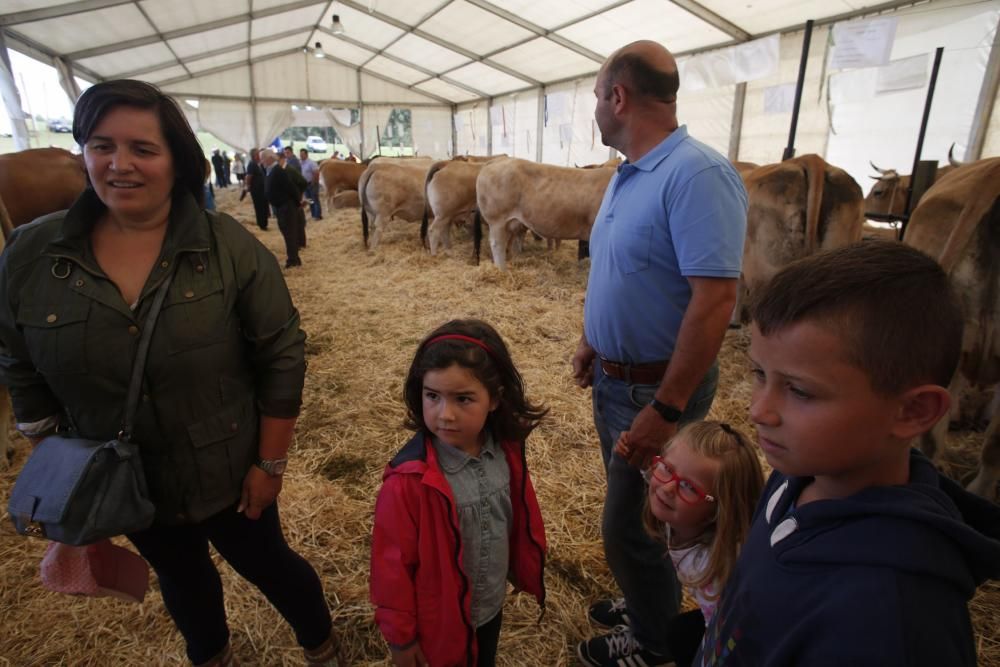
<point x="666" y="250"/>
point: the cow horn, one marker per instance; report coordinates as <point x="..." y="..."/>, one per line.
<point x="876" y="168"/>
<point x="951" y="157"/>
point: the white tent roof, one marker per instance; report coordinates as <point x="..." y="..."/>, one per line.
<point x="393" y="51"/>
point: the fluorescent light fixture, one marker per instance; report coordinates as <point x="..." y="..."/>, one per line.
<point x="338" y="27"/>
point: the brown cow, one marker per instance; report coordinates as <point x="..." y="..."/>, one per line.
<point x="450" y="192"/>
<point x="483" y="159"/>
<point x="391" y="189"/>
<point x="797" y="207"/>
<point x="958" y="223"/>
<point x="888" y="195"/>
<point x="338" y="175"/>
<point x="39" y="181"/>
<point x="345" y="199"/>
<point x="553" y="202"/>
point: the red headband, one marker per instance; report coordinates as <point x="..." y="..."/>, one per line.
<point x="467" y="339"/>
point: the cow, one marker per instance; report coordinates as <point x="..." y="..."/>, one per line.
<point x="744" y="166"/>
<point x="553" y="202"/>
<point x="482" y="159"/>
<point x="797" y="207"/>
<point x="39" y="181"/>
<point x="613" y="162"/>
<point x="450" y="193"/>
<point x="391" y="189"/>
<point x="888" y="194"/>
<point x="958" y="223"/>
<point x="338" y="175"/>
<point x="345" y="199"/>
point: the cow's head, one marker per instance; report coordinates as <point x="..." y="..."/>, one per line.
<point x="888" y="195"/>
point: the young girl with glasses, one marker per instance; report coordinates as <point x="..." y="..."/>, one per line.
<point x="703" y="489"/>
<point x="457" y="515"/>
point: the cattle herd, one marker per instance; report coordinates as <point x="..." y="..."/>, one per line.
<point x="797" y="207"/>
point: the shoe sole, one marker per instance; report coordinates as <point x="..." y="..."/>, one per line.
<point x="583" y="659"/>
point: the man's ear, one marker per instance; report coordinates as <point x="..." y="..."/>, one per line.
<point x="920" y="408"/>
<point x="619" y="97"/>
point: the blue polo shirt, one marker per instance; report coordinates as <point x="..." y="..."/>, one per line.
<point x="680" y="211"/>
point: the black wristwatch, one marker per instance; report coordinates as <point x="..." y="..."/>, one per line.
<point x="668" y="412"/>
<point x="273" y="467"/>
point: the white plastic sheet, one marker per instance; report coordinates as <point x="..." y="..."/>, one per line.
<point x="12" y="101"/>
<point x="751" y="61"/>
<point x="431" y="130"/>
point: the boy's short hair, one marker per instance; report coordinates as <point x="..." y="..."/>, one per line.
<point x="892" y="305"/>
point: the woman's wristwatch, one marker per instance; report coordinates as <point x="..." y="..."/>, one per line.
<point x="273" y="467"/>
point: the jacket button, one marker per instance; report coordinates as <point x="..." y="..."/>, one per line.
<point x="79" y="282"/>
<point x="134" y="330"/>
<point x="165" y="264"/>
<point x="51" y="318"/>
<point x="200" y="268"/>
<point x="234" y="426"/>
<point x="188" y="294"/>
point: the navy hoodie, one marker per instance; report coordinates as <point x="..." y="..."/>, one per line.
<point x="882" y="577"/>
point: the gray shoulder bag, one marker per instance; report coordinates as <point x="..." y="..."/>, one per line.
<point x="79" y="491"/>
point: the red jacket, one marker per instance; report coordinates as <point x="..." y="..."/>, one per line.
<point x="418" y="586"/>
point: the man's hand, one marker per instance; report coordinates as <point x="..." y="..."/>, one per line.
<point x="583" y="364"/>
<point x="409" y="657"/>
<point x="646" y="437"/>
<point x="259" y="491"/>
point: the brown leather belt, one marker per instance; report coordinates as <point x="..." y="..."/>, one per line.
<point x="651" y="373"/>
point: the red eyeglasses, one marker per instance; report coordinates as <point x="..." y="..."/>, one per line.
<point x="687" y="490"/>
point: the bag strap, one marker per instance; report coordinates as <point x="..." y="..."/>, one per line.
<point x="139" y="366"/>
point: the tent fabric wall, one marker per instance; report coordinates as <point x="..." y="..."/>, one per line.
<point x="376" y="90"/>
<point x="708" y="115"/>
<point x="340" y="120"/>
<point x="764" y="135"/>
<point x="470" y="129"/>
<point x="515" y="125"/>
<point x="883" y="126"/>
<point x="373" y="118"/>
<point x="570" y="135"/>
<point x="232" y="121"/>
<point x="991" y="147"/>
<point x="431" y="131"/>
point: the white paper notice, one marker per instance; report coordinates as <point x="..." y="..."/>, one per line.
<point x="863" y="43"/>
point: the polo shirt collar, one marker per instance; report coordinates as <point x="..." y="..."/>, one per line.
<point x="660" y="152"/>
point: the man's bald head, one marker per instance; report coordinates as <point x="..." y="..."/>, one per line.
<point x="646" y="69"/>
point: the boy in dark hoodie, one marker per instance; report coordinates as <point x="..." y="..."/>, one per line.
<point x="860" y="552"/>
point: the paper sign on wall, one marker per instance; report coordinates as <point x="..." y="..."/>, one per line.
<point x="863" y="43"/>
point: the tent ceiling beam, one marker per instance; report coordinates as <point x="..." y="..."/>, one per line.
<point x="215" y="52"/>
<point x="337" y="104"/>
<point x="408" y="31"/>
<point x="193" y="30"/>
<point x="871" y="10"/>
<point x="713" y="19"/>
<point x="46" y="55"/>
<point x="160" y="35"/>
<point x="538" y="30"/>
<point x="59" y="10"/>
<point x="440" y="42"/>
<point x="430" y="74"/>
<point x="271" y="56"/>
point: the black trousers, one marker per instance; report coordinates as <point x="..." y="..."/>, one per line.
<point x="289" y="225"/>
<point x="684" y="636"/>
<point x="192" y="589"/>
<point x="260" y="209"/>
<point x="487" y="640"/>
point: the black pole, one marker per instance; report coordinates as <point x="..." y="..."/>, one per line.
<point x="920" y="137"/>
<point x="378" y="139"/>
<point x="803" y="61"/>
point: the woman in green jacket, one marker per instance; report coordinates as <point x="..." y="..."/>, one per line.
<point x="223" y="380"/>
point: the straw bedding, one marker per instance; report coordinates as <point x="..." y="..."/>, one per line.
<point x="364" y="313"/>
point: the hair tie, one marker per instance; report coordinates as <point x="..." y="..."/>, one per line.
<point x="467" y="339"/>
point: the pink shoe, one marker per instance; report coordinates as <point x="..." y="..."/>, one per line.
<point x="98" y="569"/>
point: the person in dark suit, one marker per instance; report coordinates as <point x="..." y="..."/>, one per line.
<point x="284" y="197"/>
<point x="255" y="184"/>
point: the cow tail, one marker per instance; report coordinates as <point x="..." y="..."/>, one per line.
<point x="815" y="176"/>
<point x="364" y="207"/>
<point x="477" y="233"/>
<point x="424" y="223"/>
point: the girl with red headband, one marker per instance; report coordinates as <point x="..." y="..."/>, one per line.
<point x="457" y="516"/>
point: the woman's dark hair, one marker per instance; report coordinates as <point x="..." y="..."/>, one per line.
<point x="186" y="152"/>
<point x="514" y="417"/>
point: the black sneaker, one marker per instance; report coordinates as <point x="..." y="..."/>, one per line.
<point x="609" y="613"/>
<point x="619" y="648"/>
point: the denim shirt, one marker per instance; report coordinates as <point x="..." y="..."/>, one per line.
<point x="481" y="487"/>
